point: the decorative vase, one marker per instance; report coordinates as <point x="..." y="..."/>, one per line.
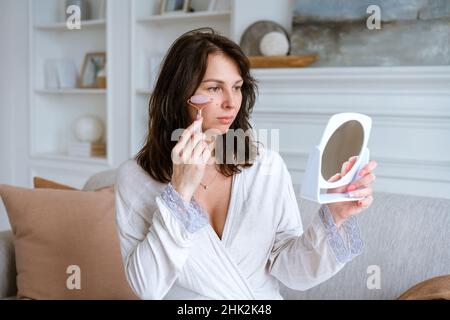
<point x="88" y="129"/>
<point x="274" y="44"/>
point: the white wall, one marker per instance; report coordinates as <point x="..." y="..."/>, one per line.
<point x="13" y="94"/>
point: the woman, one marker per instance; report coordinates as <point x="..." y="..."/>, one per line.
<point x="196" y="223"/>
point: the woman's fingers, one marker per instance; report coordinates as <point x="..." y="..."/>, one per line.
<point x="366" y="202"/>
<point x="368" y="168"/>
<point x="334" y="178"/>
<point x="346" y="167"/>
<point x="206" y="155"/>
<point x="343" y="168"/>
<point x="196" y="156"/>
<point x="350" y="163"/>
<point x="364" y="181"/>
<point x="361" y="193"/>
<point x="188" y="151"/>
<point x="202" y="153"/>
<point x="187" y="133"/>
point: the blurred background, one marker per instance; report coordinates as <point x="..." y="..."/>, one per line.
<point x="75" y="83"/>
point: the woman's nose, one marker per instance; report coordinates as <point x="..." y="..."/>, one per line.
<point x="229" y="100"/>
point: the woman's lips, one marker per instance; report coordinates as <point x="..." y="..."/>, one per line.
<point x="225" y="120"/>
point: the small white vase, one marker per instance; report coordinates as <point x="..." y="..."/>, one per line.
<point x="274" y="44"/>
<point x="88" y="129"/>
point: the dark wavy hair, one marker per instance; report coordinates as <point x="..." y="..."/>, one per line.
<point x="182" y="71"/>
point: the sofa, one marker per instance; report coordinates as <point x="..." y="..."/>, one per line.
<point x="406" y="241"/>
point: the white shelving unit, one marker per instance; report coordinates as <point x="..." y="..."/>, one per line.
<point x="61" y="26"/>
<point x="53" y="112"/>
<point x="186" y="17"/>
<point x="70" y="91"/>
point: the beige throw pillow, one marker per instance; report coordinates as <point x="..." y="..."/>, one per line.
<point x="437" y="288"/>
<point x="66" y="244"/>
<point x="43" y="183"/>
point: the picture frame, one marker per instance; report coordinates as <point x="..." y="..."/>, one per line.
<point x="174" y="6"/>
<point x="93" y="63"/>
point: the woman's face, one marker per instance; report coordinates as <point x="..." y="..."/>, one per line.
<point x="222" y="82"/>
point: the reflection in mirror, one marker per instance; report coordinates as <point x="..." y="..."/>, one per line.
<point x="344" y="143"/>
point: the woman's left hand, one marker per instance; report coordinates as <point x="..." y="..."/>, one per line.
<point x="360" y="188"/>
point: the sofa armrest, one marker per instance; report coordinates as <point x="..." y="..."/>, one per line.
<point x="8" y="285"/>
<point x="100" y="180"/>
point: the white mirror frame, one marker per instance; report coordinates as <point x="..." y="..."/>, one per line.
<point x="313" y="181"/>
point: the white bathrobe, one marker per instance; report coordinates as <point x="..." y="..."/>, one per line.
<point x="170" y="251"/>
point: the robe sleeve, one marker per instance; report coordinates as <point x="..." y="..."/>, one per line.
<point x="154" y="255"/>
<point x="302" y="260"/>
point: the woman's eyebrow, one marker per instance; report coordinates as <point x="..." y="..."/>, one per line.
<point x="220" y="81"/>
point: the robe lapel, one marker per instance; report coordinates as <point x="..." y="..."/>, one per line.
<point x="212" y="268"/>
<point x="221" y="246"/>
<point x="233" y="271"/>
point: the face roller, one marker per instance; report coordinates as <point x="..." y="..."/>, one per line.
<point x="199" y="102"/>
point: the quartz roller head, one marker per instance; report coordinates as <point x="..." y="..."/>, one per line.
<point x="199" y="102"/>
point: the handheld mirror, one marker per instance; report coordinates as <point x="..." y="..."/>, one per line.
<point x="346" y="135"/>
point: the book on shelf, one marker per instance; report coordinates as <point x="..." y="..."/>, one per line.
<point x="87" y="149"/>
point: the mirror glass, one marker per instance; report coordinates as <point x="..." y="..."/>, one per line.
<point x="344" y="143"/>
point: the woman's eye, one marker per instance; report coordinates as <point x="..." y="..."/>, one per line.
<point x="237" y="88"/>
<point x="213" y="89"/>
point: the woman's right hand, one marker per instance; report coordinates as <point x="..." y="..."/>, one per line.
<point x="189" y="157"/>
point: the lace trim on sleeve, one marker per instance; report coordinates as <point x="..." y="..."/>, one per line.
<point x="191" y="214"/>
<point x="344" y="250"/>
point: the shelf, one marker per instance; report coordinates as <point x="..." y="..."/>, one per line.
<point x="186" y="17"/>
<point x="65" y="157"/>
<point x="144" y="92"/>
<point x="78" y="91"/>
<point x="61" y="26"/>
<point x="282" y="61"/>
<point x="382" y="81"/>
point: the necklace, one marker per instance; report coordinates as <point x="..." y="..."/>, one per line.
<point x="205" y="186"/>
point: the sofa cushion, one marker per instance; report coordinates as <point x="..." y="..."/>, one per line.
<point x="7" y="265"/>
<point x="64" y="238"/>
<point x="437" y="288"/>
<point x="42" y="183"/>
<point x="406" y="241"/>
<point x="101" y="180"/>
